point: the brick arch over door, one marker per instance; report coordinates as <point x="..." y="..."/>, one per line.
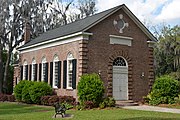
<point x="112" y="57"/>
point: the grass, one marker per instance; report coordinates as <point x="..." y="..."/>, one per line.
<point x="14" y="111"/>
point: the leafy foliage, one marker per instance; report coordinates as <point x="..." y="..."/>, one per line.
<point x="90" y="88"/>
<point x="18" y="89"/>
<point x="164" y="90"/>
<point x="41" y="15"/>
<point x="107" y="102"/>
<point x="25" y="92"/>
<point x="38" y="90"/>
<point x="50" y="100"/>
<point x="88" y="104"/>
<point x="167" y="50"/>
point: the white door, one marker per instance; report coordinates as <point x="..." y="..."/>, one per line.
<point x="120" y="82"/>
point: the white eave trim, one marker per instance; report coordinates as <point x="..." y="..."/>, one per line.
<point x="151" y="43"/>
<point x="60" y="40"/>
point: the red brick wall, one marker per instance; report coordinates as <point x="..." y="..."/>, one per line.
<point x="62" y="52"/>
<point x="97" y="54"/>
<point x="100" y="53"/>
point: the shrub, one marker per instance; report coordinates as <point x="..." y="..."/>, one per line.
<point x="107" y="102"/>
<point x="90" y="88"/>
<point x="44" y="100"/>
<point x="38" y="90"/>
<point x="67" y="105"/>
<point x="177" y="100"/>
<point x="164" y="90"/>
<point x="11" y="98"/>
<point x="18" y="90"/>
<point x="88" y="104"/>
<point x="110" y="102"/>
<point x="102" y="105"/>
<point x="3" y="97"/>
<point x="25" y="92"/>
<point x="67" y="99"/>
<point x="50" y="100"/>
<point x="53" y="99"/>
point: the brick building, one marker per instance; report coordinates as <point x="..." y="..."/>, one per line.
<point x="113" y="44"/>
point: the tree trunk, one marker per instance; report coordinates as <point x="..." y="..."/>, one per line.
<point x="1" y="70"/>
<point x="5" y="87"/>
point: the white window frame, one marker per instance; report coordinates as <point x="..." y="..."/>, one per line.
<point x="69" y="70"/>
<point x="33" y="70"/>
<point x="24" y="70"/>
<point x="55" y="71"/>
<point x="43" y="69"/>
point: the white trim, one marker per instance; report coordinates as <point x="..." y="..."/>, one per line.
<point x="24" y="69"/>
<point x="32" y="69"/>
<point x="56" y="59"/>
<point x="151" y="43"/>
<point x="114" y="39"/>
<point x="122" y="37"/>
<point x="56" y="41"/>
<point x="42" y="68"/>
<point x="69" y="58"/>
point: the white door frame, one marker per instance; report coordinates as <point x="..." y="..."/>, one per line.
<point x="120" y="80"/>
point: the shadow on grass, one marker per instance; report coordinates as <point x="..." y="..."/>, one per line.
<point x="20" y="109"/>
<point x="149" y="118"/>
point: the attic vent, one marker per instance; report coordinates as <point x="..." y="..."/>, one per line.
<point x="119" y="23"/>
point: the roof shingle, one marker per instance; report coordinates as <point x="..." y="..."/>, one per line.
<point x="77" y="26"/>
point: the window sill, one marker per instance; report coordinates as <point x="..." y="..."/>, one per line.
<point x="69" y="89"/>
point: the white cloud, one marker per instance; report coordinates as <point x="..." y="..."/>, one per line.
<point x="154" y="11"/>
<point x="170" y="12"/>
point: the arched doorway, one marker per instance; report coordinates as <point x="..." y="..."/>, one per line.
<point x="120" y="79"/>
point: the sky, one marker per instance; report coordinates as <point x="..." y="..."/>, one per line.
<point x="150" y="11"/>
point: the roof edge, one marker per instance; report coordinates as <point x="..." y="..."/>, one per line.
<point x="56" y="39"/>
<point x="101" y="19"/>
<point x="139" y="24"/>
<point x="132" y="16"/>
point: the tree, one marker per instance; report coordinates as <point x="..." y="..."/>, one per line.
<point x="167" y="50"/>
<point x="60" y="10"/>
<point x="1" y="66"/>
<point x="86" y="7"/>
<point x="41" y="15"/>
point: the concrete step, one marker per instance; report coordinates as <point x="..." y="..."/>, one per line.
<point x="120" y="103"/>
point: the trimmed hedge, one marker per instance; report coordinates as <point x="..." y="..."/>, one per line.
<point x="90" y="88"/>
<point x="31" y="92"/>
<point x="39" y="89"/>
<point x="25" y="92"/>
<point x="18" y="90"/>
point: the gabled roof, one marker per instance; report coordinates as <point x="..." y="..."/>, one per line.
<point x="83" y="25"/>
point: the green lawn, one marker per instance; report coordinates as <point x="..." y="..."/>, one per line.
<point x="13" y="111"/>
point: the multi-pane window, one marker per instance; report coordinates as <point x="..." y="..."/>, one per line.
<point x="119" y="62"/>
<point x="25" y="70"/>
<point x="43" y="73"/>
<point x="69" y="70"/>
<point x="55" y="78"/>
<point x="33" y="69"/>
<point x="55" y="71"/>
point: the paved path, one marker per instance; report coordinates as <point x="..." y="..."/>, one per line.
<point x="152" y="108"/>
